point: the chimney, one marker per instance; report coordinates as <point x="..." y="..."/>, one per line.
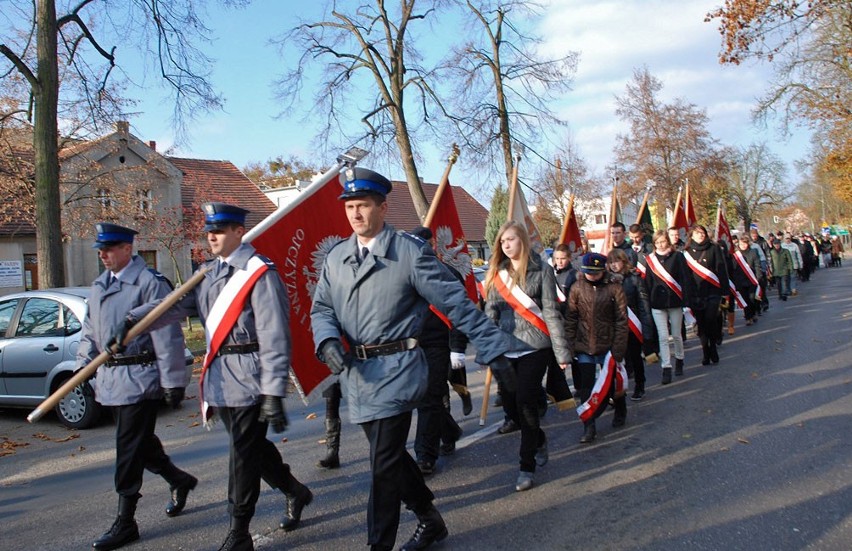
<point x="122" y="127"/>
<point x="153" y="145"/>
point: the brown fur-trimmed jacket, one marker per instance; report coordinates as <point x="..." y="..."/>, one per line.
<point x="597" y="317"/>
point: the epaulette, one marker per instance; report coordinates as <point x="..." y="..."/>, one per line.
<point x="410" y="236"/>
<point x="161" y="277"/>
<point x="267" y="261"/>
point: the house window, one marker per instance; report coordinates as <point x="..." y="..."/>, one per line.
<point x="150" y="258"/>
<point x="145" y="200"/>
<point x="600" y="219"/>
<point x="104" y="197"/>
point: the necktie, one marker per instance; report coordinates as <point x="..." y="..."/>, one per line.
<point x="110" y="281"/>
<point x="223" y="267"/>
<point x="364" y="252"/>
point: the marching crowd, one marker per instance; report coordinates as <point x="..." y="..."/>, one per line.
<point x="392" y="323"/>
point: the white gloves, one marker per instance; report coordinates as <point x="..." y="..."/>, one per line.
<point x="457" y="360"/>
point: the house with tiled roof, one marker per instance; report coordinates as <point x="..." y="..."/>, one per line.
<point x="121" y="179"/>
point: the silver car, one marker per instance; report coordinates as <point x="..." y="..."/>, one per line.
<point x="39" y="336"/>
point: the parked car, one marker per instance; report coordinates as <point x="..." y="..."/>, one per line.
<point x="39" y="336"/>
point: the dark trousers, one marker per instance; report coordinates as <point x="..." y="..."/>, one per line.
<point x="633" y="360"/>
<point x="522" y="405"/>
<point x="747" y="292"/>
<point x="395" y="478"/>
<point x="137" y="448"/>
<point x="251" y="457"/>
<point x="709" y="327"/>
<point x="555" y="382"/>
<point x="434" y="420"/>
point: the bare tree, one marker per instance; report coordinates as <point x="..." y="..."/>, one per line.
<point x="280" y="172"/>
<point x="44" y="47"/>
<point x="808" y="44"/>
<point x="757" y="181"/>
<point x="504" y="86"/>
<point x="667" y="143"/>
<point x="367" y="48"/>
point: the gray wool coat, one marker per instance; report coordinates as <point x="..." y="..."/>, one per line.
<point x="385" y="299"/>
<point x="239" y="380"/>
<point x="129" y="384"/>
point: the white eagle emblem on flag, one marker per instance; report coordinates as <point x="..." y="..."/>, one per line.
<point x="450" y="251"/>
<point x="317" y="259"/>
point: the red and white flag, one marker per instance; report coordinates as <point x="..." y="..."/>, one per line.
<point x="450" y="243"/>
<point x="297" y="238"/>
<point x="679" y="220"/>
<point x="571" y="231"/>
<point x="688" y="209"/>
<point x="521" y="214"/>
<point x="723" y="230"/>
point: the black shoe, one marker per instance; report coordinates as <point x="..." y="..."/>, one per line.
<point x="705" y="360"/>
<point x="122" y="532"/>
<point x="467" y="404"/>
<point x="714" y="355"/>
<point x="638" y="394"/>
<point x="448" y="448"/>
<point x="179" y="494"/>
<point x="237" y="541"/>
<point x="667" y="376"/>
<point x="508" y="426"/>
<point x="430" y="529"/>
<point x="426" y="467"/>
<point x="295" y="504"/>
<point x="589" y="433"/>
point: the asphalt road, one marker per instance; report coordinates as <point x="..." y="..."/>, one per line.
<point x="753" y="453"/>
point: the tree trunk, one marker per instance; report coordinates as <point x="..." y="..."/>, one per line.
<point x="48" y="218"/>
<point x="407" y="156"/>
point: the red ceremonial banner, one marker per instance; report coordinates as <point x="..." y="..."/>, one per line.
<point x="723" y="230"/>
<point x="296" y="237"/>
<point x="450" y="243"/>
<point x="679" y="219"/>
<point x="689" y="210"/>
<point x="571" y="231"/>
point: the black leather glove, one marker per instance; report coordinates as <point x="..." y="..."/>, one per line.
<point x="174" y="396"/>
<point x="504" y="373"/>
<point x="272" y="411"/>
<point x="116" y="343"/>
<point x="332" y="353"/>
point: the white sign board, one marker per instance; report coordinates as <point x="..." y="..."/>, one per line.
<point x="11" y="273"/>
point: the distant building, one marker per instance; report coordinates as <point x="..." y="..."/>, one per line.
<point x="119" y="178"/>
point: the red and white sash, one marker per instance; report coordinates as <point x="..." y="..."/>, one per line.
<point x="224" y="314"/>
<point x="634" y="324"/>
<point x="738" y="256"/>
<point x="661" y="272"/>
<point x="519" y="301"/>
<point x="641" y="268"/>
<point x="702" y="271"/>
<point x="560" y="296"/>
<point x="737" y="296"/>
<point x="612" y="373"/>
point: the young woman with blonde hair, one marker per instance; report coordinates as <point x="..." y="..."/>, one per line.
<point x="521" y="299"/>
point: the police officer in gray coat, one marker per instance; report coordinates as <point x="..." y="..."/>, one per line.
<point x="151" y="366"/>
<point x="374" y="291"/>
<point x="246" y="378"/>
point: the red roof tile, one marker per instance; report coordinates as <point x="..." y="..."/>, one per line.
<point x="402" y="216"/>
<point x="205" y="180"/>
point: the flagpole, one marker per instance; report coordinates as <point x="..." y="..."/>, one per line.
<point x="678" y="201"/>
<point x="445" y="181"/>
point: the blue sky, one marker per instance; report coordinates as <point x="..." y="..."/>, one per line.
<point x="612" y="36"/>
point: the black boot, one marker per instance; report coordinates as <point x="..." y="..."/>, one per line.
<point x="589" y="432"/>
<point x="296" y="501"/>
<point x="678" y="370"/>
<point x="667" y="376"/>
<point x="238" y="538"/>
<point x="430" y="529"/>
<point x="124" y="530"/>
<point x="180" y="492"/>
<point x="638" y="391"/>
<point x="620" y="416"/>
<point x="332" y="442"/>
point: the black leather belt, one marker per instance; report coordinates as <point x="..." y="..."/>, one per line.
<point x="363" y="351"/>
<point x="143" y="358"/>
<point x="238" y="349"/>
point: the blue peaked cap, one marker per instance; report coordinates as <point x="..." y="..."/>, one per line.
<point x="220" y="215"/>
<point x="359" y="182"/>
<point x="111" y="234"/>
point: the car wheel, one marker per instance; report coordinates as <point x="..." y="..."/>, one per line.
<point x="78" y="409"/>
